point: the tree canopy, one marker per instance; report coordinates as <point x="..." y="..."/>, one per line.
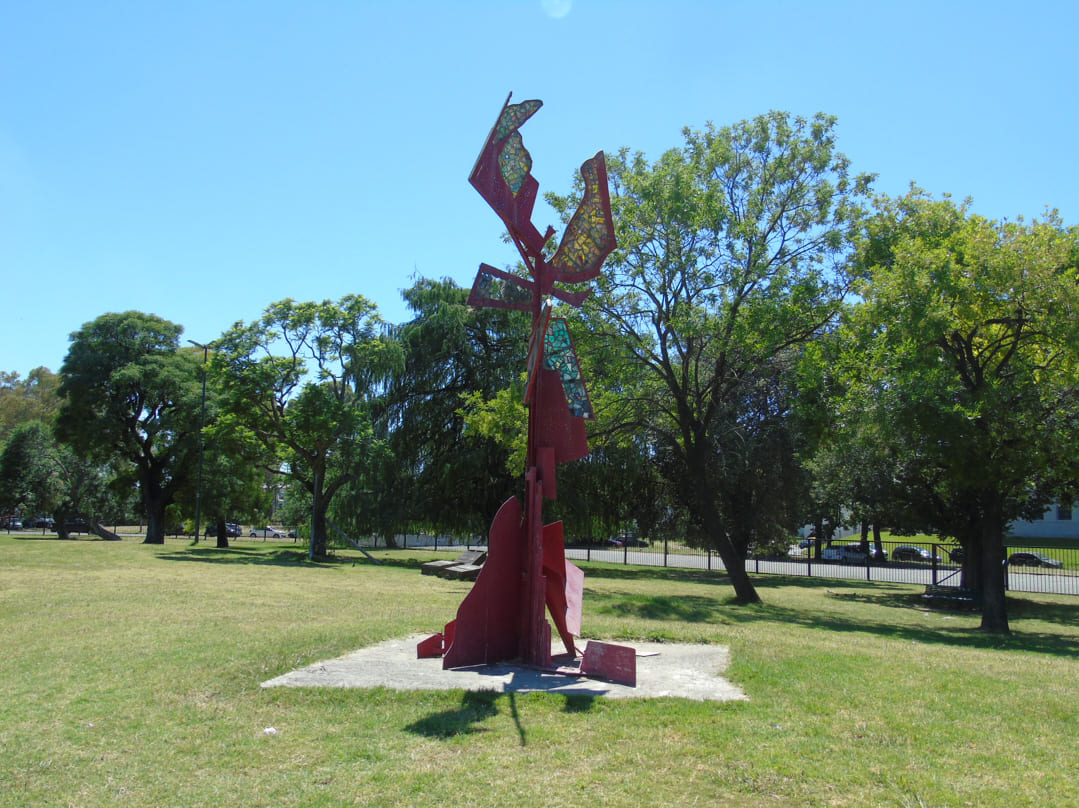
<point x="731" y="255"/>
<point x="132" y="399"/>
<point x="305" y="380"/>
<point x="964" y="356"/>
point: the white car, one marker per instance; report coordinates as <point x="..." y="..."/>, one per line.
<point x="267" y="533"/>
<point x="853" y="554"/>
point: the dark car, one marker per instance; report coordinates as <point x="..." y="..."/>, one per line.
<point x="1029" y="558"/>
<point x="910" y="552"/>
<point x="231" y="529"/>
<point x="957" y="554"/>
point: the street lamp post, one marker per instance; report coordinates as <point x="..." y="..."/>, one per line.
<point x="202" y="423"/>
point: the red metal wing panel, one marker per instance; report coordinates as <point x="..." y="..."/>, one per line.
<point x="503" y="175"/>
<point x="487" y="628"/>
<point x="554" y="425"/>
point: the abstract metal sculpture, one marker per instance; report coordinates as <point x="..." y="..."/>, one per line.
<point x="526" y="572"/>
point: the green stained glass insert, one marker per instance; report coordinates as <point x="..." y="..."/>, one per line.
<point x="515" y="162"/>
<point x="558" y="355"/>
<point x="513" y="116"/>
<point x="494" y="288"/>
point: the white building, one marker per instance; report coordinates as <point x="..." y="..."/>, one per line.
<point x="1058" y="522"/>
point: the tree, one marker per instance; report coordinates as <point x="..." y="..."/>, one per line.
<point x="24" y="400"/>
<point x="446" y="476"/>
<point x="966" y="359"/>
<point x="131" y="398"/>
<point x="305" y="380"/>
<point x="41" y="476"/>
<point x="28" y="479"/>
<point x="731" y="255"/>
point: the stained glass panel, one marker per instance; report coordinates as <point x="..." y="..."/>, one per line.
<point x="589" y="237"/>
<point x="514" y="116"/>
<point x="493" y="287"/>
<point x="558" y="355"/>
<point x="515" y="162"/>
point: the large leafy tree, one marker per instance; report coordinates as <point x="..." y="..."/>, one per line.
<point x="966" y="362"/>
<point x="446" y="476"/>
<point x="131" y="399"/>
<point x="731" y="255"/>
<point x="306" y="380"/>
<point x="24" y="400"/>
<point x="229" y="487"/>
<point x="38" y="475"/>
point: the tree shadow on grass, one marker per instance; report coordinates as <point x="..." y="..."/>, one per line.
<point x="280" y="557"/>
<point x="681" y="608"/>
<point x="901" y="598"/>
<point x="958" y="635"/>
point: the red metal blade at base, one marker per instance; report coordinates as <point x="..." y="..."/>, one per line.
<point x="615" y="663"/>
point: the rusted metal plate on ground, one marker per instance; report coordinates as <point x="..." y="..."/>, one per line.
<point x="616" y="663"/>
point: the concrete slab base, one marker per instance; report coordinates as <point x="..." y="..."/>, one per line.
<point x="663" y="670"/>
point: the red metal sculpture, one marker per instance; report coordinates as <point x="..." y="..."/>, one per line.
<point x="526" y="573"/>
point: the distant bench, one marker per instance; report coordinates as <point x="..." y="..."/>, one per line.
<point x="956" y="597"/>
<point x="463" y="568"/>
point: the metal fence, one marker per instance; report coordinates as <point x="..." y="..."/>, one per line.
<point x="1031" y="567"/>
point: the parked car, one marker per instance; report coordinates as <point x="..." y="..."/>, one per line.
<point x="831" y="554"/>
<point x="854" y="554"/>
<point x="40" y="521"/>
<point x="267" y="532"/>
<point x="910" y="552"/>
<point x="11" y="523"/>
<point x="1029" y="558"/>
<point x="231" y="529"/>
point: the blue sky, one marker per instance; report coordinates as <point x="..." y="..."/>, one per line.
<point x="200" y="160"/>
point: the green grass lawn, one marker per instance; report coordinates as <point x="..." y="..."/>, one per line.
<point x="130" y="677"/>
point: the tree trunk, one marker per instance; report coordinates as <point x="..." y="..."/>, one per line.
<point x="222" y="535"/>
<point x="878" y="543"/>
<point x="970" y="576"/>
<point x="717" y="537"/>
<point x="744" y="591"/>
<point x="102" y="532"/>
<point x="155" y="523"/>
<point x="60" y="524"/>
<point x="318" y="530"/>
<point x="993" y="572"/>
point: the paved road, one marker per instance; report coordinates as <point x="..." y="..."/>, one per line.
<point x="1026" y="580"/>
